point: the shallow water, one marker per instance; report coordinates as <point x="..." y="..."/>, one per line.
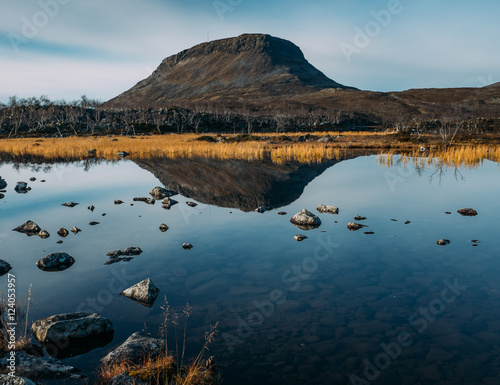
<point x="340" y="307"/>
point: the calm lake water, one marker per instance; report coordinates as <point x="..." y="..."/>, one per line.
<point x="340" y="307"/>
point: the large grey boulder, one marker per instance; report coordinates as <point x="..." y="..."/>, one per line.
<point x="29" y="228"/>
<point x="9" y="380"/>
<point x="5" y="267"/>
<point x="144" y="292"/>
<point x="306" y="220"/>
<point x="72" y="326"/>
<point x="138" y="346"/>
<point x="56" y="262"/>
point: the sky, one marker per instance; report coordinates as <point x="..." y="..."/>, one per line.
<point x="100" y="48"/>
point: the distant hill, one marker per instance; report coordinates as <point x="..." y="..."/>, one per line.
<point x="247" y="67"/>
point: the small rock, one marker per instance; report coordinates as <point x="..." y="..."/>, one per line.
<point x="59" y="242"/>
<point x="467" y="212"/>
<point x="407" y="222"/>
<point x="299" y="237"/>
<point x="32" y="179"/>
<point x="359" y="218"/>
<point x="187" y="246"/>
<point x="91" y="208"/>
<point x="56" y="262"/>
<point x="305" y="220"/>
<point x="70" y="204"/>
<point x="328" y="209"/>
<point x="394" y="220"/>
<point x="5" y="267"/>
<point x="43" y="181"/>
<point x="118" y="202"/>
<point x="369" y="232"/>
<point x="192" y="204"/>
<point x="21" y="188"/>
<point x="149" y="201"/>
<point x="144" y="292"/>
<point x="122" y="154"/>
<point x="93" y="223"/>
<point x="29" y="228"/>
<point x="163" y="227"/>
<point x="3" y="184"/>
<point x="103" y="214"/>
<point x="475" y="241"/>
<point x="161" y="193"/>
<point x="355" y="226"/>
<point x="75" y="230"/>
<point x="325" y="139"/>
<point x="448" y="212"/>
<point x="282" y="213"/>
<point x="44" y="234"/>
<point x="128" y="251"/>
<point x="167" y="203"/>
<point x="443" y="242"/>
<point x="260" y="209"/>
<point x="62" y="232"/>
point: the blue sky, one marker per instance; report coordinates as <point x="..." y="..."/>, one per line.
<point x="67" y="48"/>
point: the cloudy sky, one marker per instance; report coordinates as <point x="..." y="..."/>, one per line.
<point x="67" y="48"/>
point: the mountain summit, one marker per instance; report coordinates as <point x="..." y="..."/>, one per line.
<point x="247" y="67"/>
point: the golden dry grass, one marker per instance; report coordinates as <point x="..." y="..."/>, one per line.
<point x="457" y="156"/>
<point x="186" y="145"/>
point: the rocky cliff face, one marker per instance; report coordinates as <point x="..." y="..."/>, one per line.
<point x="247" y="67"/>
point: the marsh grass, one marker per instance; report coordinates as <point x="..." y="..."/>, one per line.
<point x="170" y="368"/>
<point x="254" y="147"/>
<point x="457" y="156"/>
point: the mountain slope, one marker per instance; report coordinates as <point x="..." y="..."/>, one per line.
<point x="247" y="67"/>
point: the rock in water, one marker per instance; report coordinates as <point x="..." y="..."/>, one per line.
<point x="67" y="334"/>
<point x="75" y="230"/>
<point x="167" y="203"/>
<point x="299" y="237"/>
<point x="118" y="202"/>
<point x="328" y="209"/>
<point x="355" y="226"/>
<point x="29" y="228"/>
<point x="44" y="234"/>
<point x="161" y="193"/>
<point x="21" y="188"/>
<point x="5" y="267"/>
<point x="187" y="246"/>
<point x="192" y="204"/>
<point x="134" y="349"/>
<point x="70" y="204"/>
<point x="359" y="218"/>
<point x="306" y="220"/>
<point x="467" y="212"/>
<point x="163" y="227"/>
<point x="144" y="292"/>
<point x="3" y="184"/>
<point x="149" y="201"/>
<point x="91" y="208"/>
<point x="122" y="154"/>
<point x="56" y="262"/>
<point x="62" y="232"/>
<point x="443" y="242"/>
<point x="5" y="379"/>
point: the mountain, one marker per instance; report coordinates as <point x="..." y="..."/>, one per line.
<point x="240" y="184"/>
<point x="247" y="67"/>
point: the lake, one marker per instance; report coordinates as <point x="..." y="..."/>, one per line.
<point x="340" y="307"/>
